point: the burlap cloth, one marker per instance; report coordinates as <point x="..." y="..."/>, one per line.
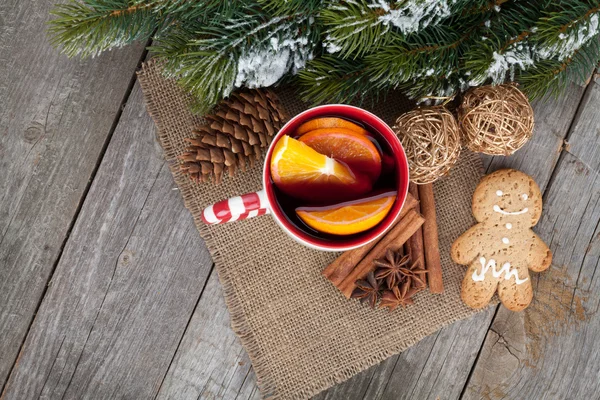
<point x="301" y="334"/>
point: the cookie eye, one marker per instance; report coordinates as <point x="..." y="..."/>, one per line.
<point x="499" y="193"/>
<point x="524" y="196"/>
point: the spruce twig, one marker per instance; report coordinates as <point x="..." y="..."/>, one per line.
<point x="286" y="7"/>
<point x="89" y="28"/>
<point x="251" y="49"/>
<point x="551" y="77"/>
<point x="428" y="48"/>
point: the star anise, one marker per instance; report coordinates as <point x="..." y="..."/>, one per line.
<point x="393" y="269"/>
<point x="367" y="290"/>
<point x="398" y="296"/>
<point x="396" y="269"/>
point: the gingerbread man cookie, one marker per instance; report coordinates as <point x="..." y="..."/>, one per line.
<point x="501" y="249"/>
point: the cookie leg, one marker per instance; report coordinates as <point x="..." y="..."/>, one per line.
<point x="475" y="293"/>
<point x="515" y="297"/>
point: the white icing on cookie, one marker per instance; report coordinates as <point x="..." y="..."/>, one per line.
<point x="501" y="211"/>
<point x="524" y="196"/>
<point x="505" y="270"/>
<point x="499" y="193"/>
<point x="508" y="226"/>
<point x="505" y="240"/>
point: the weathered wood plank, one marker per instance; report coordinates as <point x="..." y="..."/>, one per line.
<point x="364" y="384"/>
<point x="126" y="284"/>
<point x="445" y="367"/>
<point x="55" y="116"/>
<point x="249" y="389"/>
<point x="426" y="370"/>
<point x="210" y="362"/>
<point x="439" y="365"/>
<point x="550" y="350"/>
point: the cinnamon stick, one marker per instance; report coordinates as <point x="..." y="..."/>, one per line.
<point x="433" y="263"/>
<point x="414" y="245"/>
<point x="339" y="269"/>
<point x="393" y="240"/>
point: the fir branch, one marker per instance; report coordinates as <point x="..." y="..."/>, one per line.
<point x="570" y="15"/>
<point x="286" y="7"/>
<point x="436" y="50"/>
<point x="550" y="77"/>
<point x="503" y="49"/>
<point x="425" y="47"/>
<point x="566" y="27"/>
<point x="354" y="28"/>
<point x="129" y="10"/>
<point x="433" y="87"/>
<point x="253" y="49"/>
<point x="329" y="79"/>
<point x="91" y="27"/>
<point x="358" y="27"/>
<point x="482" y="6"/>
<point x="203" y="10"/>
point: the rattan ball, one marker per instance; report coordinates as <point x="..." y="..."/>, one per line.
<point x="495" y="120"/>
<point x="431" y="140"/>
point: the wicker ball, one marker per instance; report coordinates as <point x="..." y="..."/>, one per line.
<point x="495" y="120"/>
<point x="431" y="140"/>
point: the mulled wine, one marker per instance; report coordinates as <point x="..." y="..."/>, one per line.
<point x="334" y="178"/>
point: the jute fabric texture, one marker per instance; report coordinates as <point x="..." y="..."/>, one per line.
<point x="301" y="334"/>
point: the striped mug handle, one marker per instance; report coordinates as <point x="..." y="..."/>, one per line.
<point x="236" y="208"/>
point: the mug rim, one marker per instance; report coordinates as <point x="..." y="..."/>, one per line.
<point x="402" y="180"/>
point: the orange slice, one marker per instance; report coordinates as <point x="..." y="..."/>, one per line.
<point x="353" y="149"/>
<point x="349" y="217"/>
<point x="329" y="122"/>
<point x="303" y="173"/>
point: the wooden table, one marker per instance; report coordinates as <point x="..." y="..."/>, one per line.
<point x="107" y="291"/>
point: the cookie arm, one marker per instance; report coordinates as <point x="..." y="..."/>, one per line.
<point x="466" y="248"/>
<point x="539" y="256"/>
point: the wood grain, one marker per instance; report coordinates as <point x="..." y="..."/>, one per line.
<point x="126" y="284"/>
<point x="551" y="348"/>
<point x="55" y="116"/>
<point x="210" y="362"/>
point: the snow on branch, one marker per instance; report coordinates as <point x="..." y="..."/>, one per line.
<point x="572" y="40"/>
<point x="411" y="16"/>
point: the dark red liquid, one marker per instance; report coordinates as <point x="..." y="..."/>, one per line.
<point x="386" y="182"/>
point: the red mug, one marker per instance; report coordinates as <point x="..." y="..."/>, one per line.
<point x="264" y="201"/>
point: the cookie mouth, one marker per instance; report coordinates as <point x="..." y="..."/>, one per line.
<point x="501" y="211"/>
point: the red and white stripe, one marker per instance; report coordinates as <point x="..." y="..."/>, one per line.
<point x="236" y="208"/>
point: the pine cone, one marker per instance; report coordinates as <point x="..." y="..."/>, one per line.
<point x="234" y="135"/>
